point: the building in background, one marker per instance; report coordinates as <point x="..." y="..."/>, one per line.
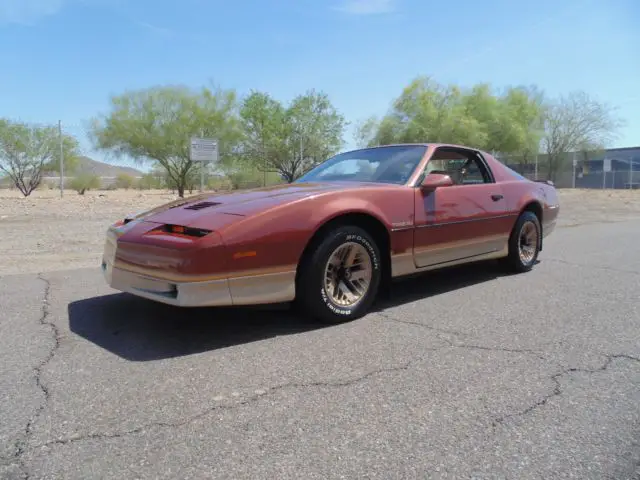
<point x="617" y="168"/>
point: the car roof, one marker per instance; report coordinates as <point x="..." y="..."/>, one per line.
<point x="419" y="144"/>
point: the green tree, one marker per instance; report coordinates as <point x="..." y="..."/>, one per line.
<point x="576" y="122"/>
<point x="265" y="128"/>
<point x="427" y="111"/>
<point x="155" y="125"/>
<point x="314" y="132"/>
<point x="289" y="140"/>
<point x="527" y="107"/>
<point x="27" y="151"/>
<point x="365" y="131"/>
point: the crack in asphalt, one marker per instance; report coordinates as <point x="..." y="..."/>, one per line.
<point x="293" y="385"/>
<point x="335" y="384"/>
<point x="598" y="222"/>
<point x="387" y="316"/>
<point x="247" y="401"/>
<point x="555" y="378"/>
<point x="557" y="387"/>
<point x="596" y="267"/>
<point x="21" y="444"/>
<point x="463" y="345"/>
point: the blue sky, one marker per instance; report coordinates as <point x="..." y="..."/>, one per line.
<point x="62" y="59"/>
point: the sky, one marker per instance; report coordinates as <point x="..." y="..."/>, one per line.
<point x="63" y="59"/>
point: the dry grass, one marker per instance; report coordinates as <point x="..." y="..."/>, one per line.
<point x="44" y="232"/>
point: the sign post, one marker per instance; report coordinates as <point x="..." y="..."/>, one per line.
<point x="606" y="167"/>
<point x="203" y="150"/>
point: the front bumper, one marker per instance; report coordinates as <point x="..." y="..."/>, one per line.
<point x="182" y="294"/>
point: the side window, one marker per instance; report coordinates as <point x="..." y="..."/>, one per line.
<point x="464" y="168"/>
<point x="474" y="174"/>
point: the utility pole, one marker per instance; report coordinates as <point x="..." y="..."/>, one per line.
<point x="61" y="158"/>
<point x="575" y="163"/>
<point x="630" y="173"/>
<point x="536" y="171"/>
<point x="264" y="165"/>
<point x="201" y="169"/>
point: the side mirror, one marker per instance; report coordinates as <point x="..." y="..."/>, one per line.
<point x="436" y="180"/>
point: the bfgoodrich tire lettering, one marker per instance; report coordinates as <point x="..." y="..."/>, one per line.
<point x="339" y="281"/>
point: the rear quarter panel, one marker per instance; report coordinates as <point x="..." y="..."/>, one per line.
<point x="277" y="237"/>
<point x="520" y="192"/>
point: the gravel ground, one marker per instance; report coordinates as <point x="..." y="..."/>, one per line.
<point x="44" y="232"/>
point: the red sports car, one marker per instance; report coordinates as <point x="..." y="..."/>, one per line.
<point x="328" y="240"/>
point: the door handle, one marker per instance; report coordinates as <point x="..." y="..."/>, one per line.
<point x="495" y="198"/>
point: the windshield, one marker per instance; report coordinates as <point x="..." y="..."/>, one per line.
<point x="391" y="164"/>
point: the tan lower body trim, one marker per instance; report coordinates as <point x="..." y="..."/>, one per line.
<point x="404" y="263"/>
<point x="461" y="261"/>
<point x="261" y="289"/>
<point x="460" y="249"/>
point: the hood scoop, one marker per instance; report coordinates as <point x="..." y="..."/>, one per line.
<point x="201" y="205"/>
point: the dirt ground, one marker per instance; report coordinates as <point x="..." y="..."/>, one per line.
<point x="45" y="232"/>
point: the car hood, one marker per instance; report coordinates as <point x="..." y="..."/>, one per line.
<point x="215" y="210"/>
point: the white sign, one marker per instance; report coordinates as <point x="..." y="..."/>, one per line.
<point x="204" y="150"/>
<point x="606" y="165"/>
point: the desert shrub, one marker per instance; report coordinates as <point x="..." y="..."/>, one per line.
<point x="85" y="182"/>
<point x="148" y="181"/>
<point x="125" y="181"/>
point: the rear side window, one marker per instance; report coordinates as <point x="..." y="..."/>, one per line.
<point x="513" y="173"/>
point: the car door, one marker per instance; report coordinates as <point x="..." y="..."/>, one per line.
<point x="464" y="221"/>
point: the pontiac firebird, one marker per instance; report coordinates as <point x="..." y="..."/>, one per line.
<point x="329" y="240"/>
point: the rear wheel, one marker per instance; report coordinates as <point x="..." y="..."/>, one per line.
<point x="339" y="280"/>
<point x="524" y="243"/>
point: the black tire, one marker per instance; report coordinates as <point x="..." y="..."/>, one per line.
<point x="514" y="261"/>
<point x="311" y="295"/>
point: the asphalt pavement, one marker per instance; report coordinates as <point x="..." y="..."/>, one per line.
<point x="463" y="374"/>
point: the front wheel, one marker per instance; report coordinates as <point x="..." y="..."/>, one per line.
<point x="339" y="281"/>
<point x="524" y="243"/>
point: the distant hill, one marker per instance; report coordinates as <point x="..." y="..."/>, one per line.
<point x="87" y="165"/>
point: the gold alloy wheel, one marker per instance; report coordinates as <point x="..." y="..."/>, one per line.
<point x="528" y="242"/>
<point x="347" y="275"/>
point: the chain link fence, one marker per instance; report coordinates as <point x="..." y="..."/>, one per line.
<point x="617" y="168"/>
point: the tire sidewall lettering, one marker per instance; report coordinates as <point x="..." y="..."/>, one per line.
<point x="332" y="307"/>
<point x="366" y="244"/>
